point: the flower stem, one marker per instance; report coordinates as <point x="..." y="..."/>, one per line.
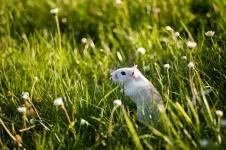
<point x="25" y="129"/>
<point x="169" y="88"/>
<point x="192" y="87"/>
<point x="58" y="31"/>
<point x="111" y="118"/>
<point x="36" y="112"/>
<point x="68" y="118"/>
<point x="7" y="130"/>
<point x="66" y="113"/>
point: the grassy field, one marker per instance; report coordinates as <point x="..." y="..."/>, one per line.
<point x="71" y="54"/>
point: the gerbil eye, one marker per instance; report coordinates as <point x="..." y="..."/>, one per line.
<point x="123" y="73"/>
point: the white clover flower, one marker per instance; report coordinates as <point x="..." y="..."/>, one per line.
<point x="118" y="1"/>
<point x="168" y="28"/>
<point x="191" y="65"/>
<point x="184" y="57"/>
<point x="176" y="34"/>
<point x="204" y="142"/>
<point x="36" y="78"/>
<point x="210" y="33"/>
<point x="141" y="50"/>
<point x="117" y="102"/>
<point x="223" y="123"/>
<point x="219" y="113"/>
<point x="22" y="109"/>
<point x="119" y="56"/>
<point x="84" y="40"/>
<point x="32" y="121"/>
<point x="25" y="95"/>
<point x="192" y="44"/>
<point x="58" y="101"/>
<point x="167" y="66"/>
<point x="54" y="11"/>
<point x="83" y="122"/>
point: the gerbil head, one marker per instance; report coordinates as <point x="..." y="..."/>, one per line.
<point x="125" y="75"/>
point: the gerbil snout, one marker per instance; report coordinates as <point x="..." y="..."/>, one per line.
<point x="114" y="76"/>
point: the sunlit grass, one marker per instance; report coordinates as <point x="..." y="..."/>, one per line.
<point x="70" y="56"/>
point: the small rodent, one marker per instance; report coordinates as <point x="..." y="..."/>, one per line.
<point x="141" y="91"/>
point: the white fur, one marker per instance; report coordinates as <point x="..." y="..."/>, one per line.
<point x="140" y="90"/>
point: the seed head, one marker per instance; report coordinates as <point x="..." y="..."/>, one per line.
<point x="167" y="66"/>
<point x="25" y="95"/>
<point x="117" y="102"/>
<point x="84" y="40"/>
<point x="176" y="34"/>
<point x="219" y="113"/>
<point x="58" y="101"/>
<point x="83" y="122"/>
<point x="191" y="65"/>
<point x="192" y="44"/>
<point x="54" y="11"/>
<point x="22" y="109"/>
<point x="210" y="33"/>
<point x="141" y="50"/>
<point x="184" y="57"/>
<point x="168" y="28"/>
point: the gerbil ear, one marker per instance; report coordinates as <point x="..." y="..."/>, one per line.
<point x="134" y="67"/>
<point x="134" y="71"/>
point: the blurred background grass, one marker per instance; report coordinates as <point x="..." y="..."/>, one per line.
<point x="79" y="72"/>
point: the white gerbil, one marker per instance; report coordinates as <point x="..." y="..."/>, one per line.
<point x="140" y="90"/>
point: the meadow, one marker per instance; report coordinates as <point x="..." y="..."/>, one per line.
<point x="56" y="90"/>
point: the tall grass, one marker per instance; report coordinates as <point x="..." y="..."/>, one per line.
<point x="73" y="60"/>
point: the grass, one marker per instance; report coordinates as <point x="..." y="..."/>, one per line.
<point x="51" y="61"/>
